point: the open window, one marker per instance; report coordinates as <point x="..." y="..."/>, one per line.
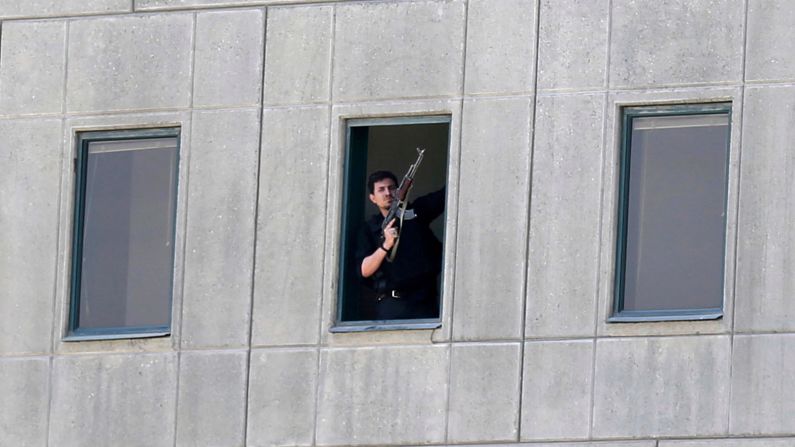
<point x="123" y="234"/>
<point x="672" y="213"/>
<point x="404" y="292"/>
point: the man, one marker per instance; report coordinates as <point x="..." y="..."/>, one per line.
<point x="406" y="288"/>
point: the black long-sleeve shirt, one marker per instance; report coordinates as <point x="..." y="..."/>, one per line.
<point x="419" y="255"/>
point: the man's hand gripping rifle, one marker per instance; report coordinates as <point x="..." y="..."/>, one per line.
<point x="400" y="202"/>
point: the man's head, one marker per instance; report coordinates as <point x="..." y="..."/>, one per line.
<point x="382" y="185"/>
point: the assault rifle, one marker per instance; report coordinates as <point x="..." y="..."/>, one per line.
<point x="400" y="201"/>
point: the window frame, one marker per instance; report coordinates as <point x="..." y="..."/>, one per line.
<point x="628" y="114"/>
<point x="348" y="167"/>
<point x="83" y="140"/>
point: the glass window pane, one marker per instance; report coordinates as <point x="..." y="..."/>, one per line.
<point x="675" y="212"/>
<point x="128" y="233"/>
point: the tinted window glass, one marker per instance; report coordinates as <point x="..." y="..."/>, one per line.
<point x="675" y="202"/>
<point x="129" y="204"/>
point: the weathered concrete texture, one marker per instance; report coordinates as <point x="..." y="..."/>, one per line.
<point x="212" y="399"/>
<point x="219" y="254"/>
<point x="281" y="408"/>
<point x="228" y="66"/>
<point x="573" y="444"/>
<point x="10" y="9"/>
<point x="766" y="246"/>
<point x="133" y="62"/>
<point x="500" y="46"/>
<point x="32" y="64"/>
<point x="763" y="392"/>
<point x="490" y="257"/>
<point x="383" y="395"/>
<point x="674" y="386"/>
<point x="564" y="229"/>
<point x="123" y="399"/>
<point x="770" y="32"/>
<point x="142" y="5"/>
<point x="673" y="42"/>
<point x="572" y="44"/>
<point x="289" y="267"/>
<point x="556" y="390"/>
<point x="744" y="442"/>
<point x="484" y="393"/>
<point x="30" y="154"/>
<point x="23" y="408"/>
<point x="298" y="55"/>
<point x="398" y="49"/>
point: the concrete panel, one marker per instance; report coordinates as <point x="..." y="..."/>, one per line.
<point x="141" y="5"/>
<point x="500" y="46"/>
<point x="289" y="267"/>
<point x="572" y="44"/>
<point x="30" y="154"/>
<point x="556" y="390"/>
<point x="377" y="56"/>
<point x="222" y="195"/>
<point x="212" y="399"/>
<point x="124" y="399"/>
<point x="770" y="30"/>
<point x="132" y="62"/>
<point x="744" y="442"/>
<point x="763" y="392"/>
<point x="228" y="66"/>
<point x="11" y="9"/>
<point x="673" y="42"/>
<point x="484" y="393"/>
<point x="674" y="386"/>
<point x="281" y="409"/>
<point x="564" y="227"/>
<point x="575" y="444"/>
<point x="298" y="55"/>
<point x="23" y="408"/>
<point x="382" y="395"/>
<point x="32" y="64"/>
<point x="491" y="247"/>
<point x="766" y="246"/>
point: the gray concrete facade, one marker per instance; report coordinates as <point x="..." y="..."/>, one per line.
<point x="525" y="356"/>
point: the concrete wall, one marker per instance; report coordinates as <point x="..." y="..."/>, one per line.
<point x="524" y="355"/>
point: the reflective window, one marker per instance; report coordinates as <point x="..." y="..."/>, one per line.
<point x="672" y="212"/>
<point x="124" y="232"/>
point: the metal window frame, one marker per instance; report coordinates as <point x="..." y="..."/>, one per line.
<point x="74" y="332"/>
<point x="339" y="325"/>
<point x="629" y="114"/>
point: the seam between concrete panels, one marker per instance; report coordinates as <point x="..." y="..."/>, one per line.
<point x="528" y="206"/>
<point x="64" y="94"/>
<point x="261" y="114"/>
<point x="321" y="305"/>
<point x="736" y="216"/>
<point x="606" y="129"/>
<point x="55" y="322"/>
<point x="451" y="286"/>
<point x="194" y="25"/>
<point x="177" y="343"/>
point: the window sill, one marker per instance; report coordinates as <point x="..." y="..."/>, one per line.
<point x="394" y="325"/>
<point x="92" y="336"/>
<point x="661" y="316"/>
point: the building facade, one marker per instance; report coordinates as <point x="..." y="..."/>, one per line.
<point x="527" y="350"/>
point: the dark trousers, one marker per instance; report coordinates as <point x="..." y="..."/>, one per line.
<point x="418" y="303"/>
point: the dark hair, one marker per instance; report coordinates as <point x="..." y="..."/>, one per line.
<point x="377" y="176"/>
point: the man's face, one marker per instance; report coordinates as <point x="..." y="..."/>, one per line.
<point x="383" y="193"/>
